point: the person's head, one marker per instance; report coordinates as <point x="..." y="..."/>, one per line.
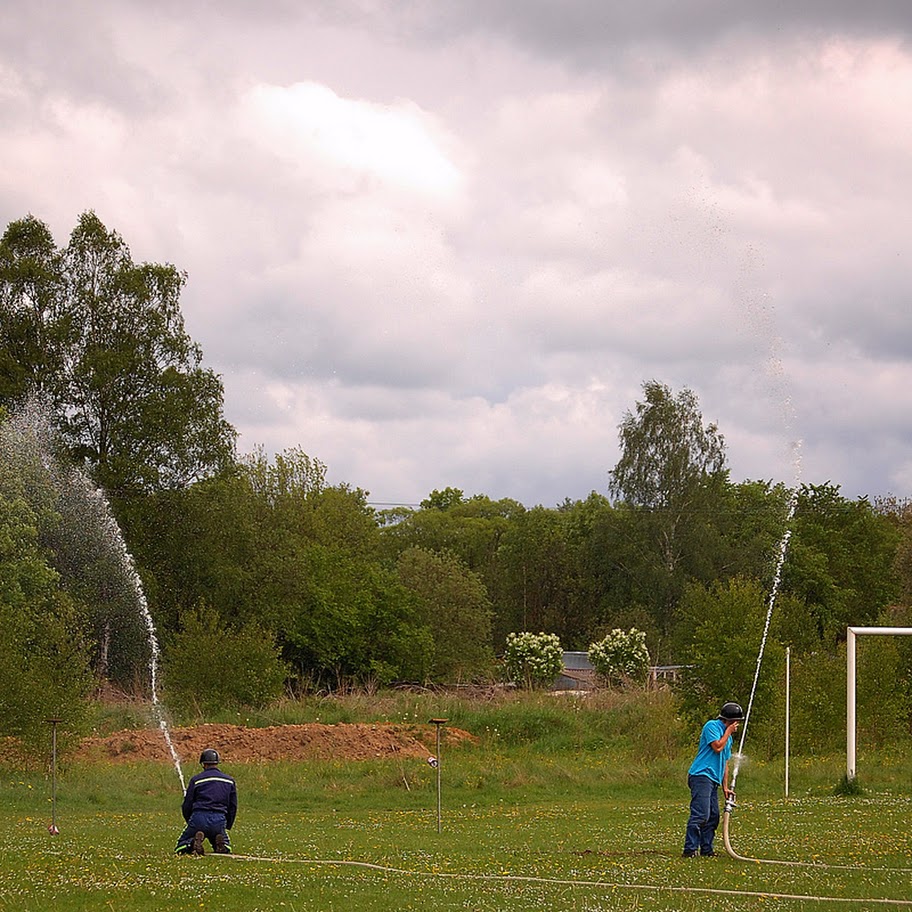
<point x="209" y="757"/>
<point x="731" y="712"/>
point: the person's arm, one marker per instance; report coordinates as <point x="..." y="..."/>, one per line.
<point x="725" y="789"/>
<point x="187" y="805"/>
<point x="232" y="808"/>
<point x="719" y="744"/>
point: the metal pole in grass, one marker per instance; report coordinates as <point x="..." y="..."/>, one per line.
<point x="52" y="829"/>
<point x="788" y="705"/>
<point x="439" y="723"/>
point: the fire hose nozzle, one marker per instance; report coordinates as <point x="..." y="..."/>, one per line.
<point x="730" y="803"/>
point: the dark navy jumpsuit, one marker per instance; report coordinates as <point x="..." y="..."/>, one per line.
<point x="210" y="806"/>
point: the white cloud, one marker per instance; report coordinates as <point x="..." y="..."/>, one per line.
<point x="313" y="128"/>
<point x="447" y="254"/>
<point x="403" y="448"/>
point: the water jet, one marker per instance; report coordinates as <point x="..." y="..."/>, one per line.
<point x="88" y="533"/>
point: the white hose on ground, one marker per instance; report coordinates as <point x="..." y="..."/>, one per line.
<point x="726" y="817"/>
<point x="726" y="839"/>
<point x="554" y="881"/>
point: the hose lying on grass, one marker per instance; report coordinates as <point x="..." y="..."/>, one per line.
<point x="726" y="838"/>
<point x="591" y="884"/>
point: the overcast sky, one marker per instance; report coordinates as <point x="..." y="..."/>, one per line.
<point x="445" y="243"/>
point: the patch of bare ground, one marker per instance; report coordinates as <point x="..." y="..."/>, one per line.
<point x="238" y="744"/>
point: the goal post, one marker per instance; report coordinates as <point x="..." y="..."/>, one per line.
<point x="851" y="634"/>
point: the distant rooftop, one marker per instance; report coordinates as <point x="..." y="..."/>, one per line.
<point x="578" y="673"/>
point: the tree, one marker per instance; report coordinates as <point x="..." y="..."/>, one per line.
<point x="619" y="572"/>
<point x="588" y="567"/>
<point x="727" y="620"/>
<point x="468" y="527"/>
<point x="533" y="575"/>
<point x="749" y="525"/>
<point x="103" y="339"/>
<point x="898" y="512"/>
<point x="199" y="544"/>
<point x="43" y="658"/>
<point x="80" y="541"/>
<point x="455" y="608"/>
<point x="671" y="473"/>
<point x="346" y="618"/>
<point x="443" y="500"/>
<point x="472" y="529"/>
<point x="842" y="560"/>
<point x="666" y="456"/>
<point x="271" y="545"/>
<point x="32" y="326"/>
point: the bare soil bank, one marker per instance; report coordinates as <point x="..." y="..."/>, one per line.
<point x="237" y="744"/>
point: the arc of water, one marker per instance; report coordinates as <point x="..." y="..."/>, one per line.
<point x="771" y="603"/>
<point x="157" y="708"/>
<point x="129" y="565"/>
<point x="29" y="432"/>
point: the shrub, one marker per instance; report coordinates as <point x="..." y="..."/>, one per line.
<point x="621" y="657"/>
<point x="454" y="606"/>
<point x="44" y="669"/>
<point x="533" y="659"/>
<point x="210" y="668"/>
<point x="727" y="620"/>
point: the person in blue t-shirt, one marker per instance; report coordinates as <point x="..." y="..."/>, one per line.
<point x="708" y="771"/>
<point x="209" y="808"/>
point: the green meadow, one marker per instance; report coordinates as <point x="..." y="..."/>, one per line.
<point x="551" y="822"/>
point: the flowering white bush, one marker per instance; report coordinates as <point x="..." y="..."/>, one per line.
<point x="535" y="659"/>
<point x="621" y="656"/>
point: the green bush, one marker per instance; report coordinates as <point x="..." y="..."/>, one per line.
<point x="44" y="671"/>
<point x="453" y="605"/>
<point x="883" y="689"/>
<point x="818" y="698"/>
<point x="209" y="668"/>
<point x="533" y="659"/>
<point x="727" y="620"/>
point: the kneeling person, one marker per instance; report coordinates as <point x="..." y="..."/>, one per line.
<point x="209" y="807"/>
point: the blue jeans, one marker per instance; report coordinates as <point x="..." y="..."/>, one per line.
<point x="210" y="823"/>
<point x="704" y="814"/>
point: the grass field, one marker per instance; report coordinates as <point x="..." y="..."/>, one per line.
<point x="518" y="826"/>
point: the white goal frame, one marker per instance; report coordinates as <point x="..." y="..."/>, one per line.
<point x="851" y="634"/>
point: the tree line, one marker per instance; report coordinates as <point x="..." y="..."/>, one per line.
<point x="261" y="576"/>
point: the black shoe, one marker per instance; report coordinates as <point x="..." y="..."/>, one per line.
<point x="689" y="854"/>
<point x="221" y="844"/>
<point x="197" y="848"/>
<point x="709" y="854"/>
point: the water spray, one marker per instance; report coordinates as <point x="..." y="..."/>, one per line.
<point x="33" y="440"/>
<point x="115" y="536"/>
<point x="771" y="602"/>
<point x="730" y="799"/>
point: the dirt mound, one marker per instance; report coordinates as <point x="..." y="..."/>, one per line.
<point x="237" y="744"/>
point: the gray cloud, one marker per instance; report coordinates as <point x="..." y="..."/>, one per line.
<point x="445" y="244"/>
<point x="584" y="30"/>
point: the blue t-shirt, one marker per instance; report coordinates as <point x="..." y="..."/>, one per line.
<point x="708" y="762"/>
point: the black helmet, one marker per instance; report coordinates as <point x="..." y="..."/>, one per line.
<point x="210" y="755"/>
<point x="731" y="712"/>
